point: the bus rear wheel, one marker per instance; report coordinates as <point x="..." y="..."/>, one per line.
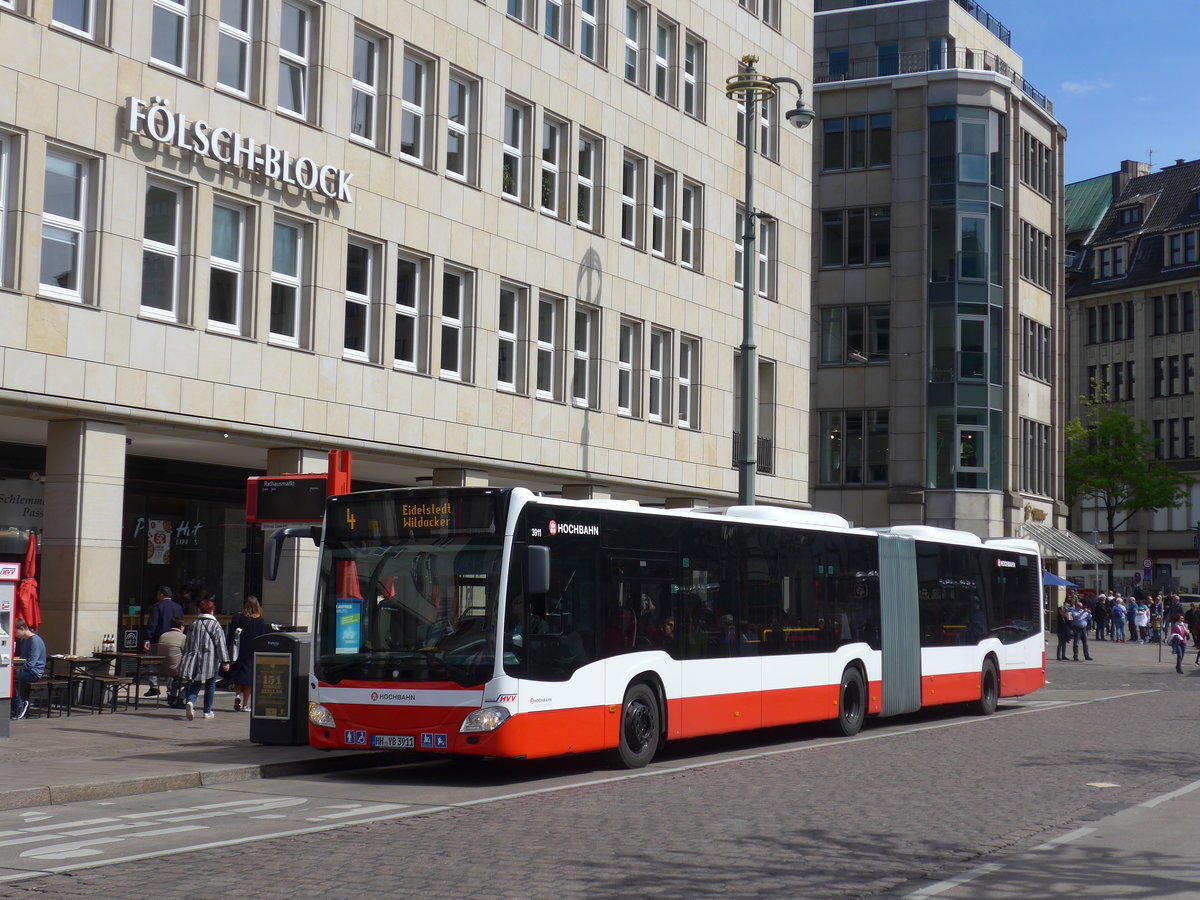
<point x="640" y="727"/>
<point x="852" y="702"/>
<point x="989" y="689"/>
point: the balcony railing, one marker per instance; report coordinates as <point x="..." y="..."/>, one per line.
<point x="915" y="61"/>
<point x="765" y="462"/>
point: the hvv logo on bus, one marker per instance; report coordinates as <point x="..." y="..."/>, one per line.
<point x="556" y="528"/>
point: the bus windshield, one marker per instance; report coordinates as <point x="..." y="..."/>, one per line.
<point x="404" y="603"/>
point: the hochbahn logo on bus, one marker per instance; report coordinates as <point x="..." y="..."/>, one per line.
<point x="556" y="528"/>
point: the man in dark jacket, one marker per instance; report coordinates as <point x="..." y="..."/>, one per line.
<point x="164" y="611"/>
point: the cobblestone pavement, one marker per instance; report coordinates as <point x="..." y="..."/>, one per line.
<point x="869" y="818"/>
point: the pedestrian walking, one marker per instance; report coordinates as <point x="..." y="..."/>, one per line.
<point x="244" y="628"/>
<point x="204" y="655"/>
<point x="1179" y="635"/>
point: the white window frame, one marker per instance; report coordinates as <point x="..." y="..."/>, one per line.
<point x="666" y="49"/>
<point x="416" y="107"/>
<point x="365" y="87"/>
<point x="768" y="122"/>
<point x="585" y="356"/>
<point x="693" y="76"/>
<point x="462" y="124"/>
<point x="362" y="300"/>
<point x="554" y="24"/>
<point x="548" y="336"/>
<point x="6" y="157"/>
<point x="288" y="281"/>
<point x="591" y="30"/>
<point x="513" y="304"/>
<point x="658" y="368"/>
<point x="629" y="352"/>
<point x="235" y="36"/>
<point x="688" y="381"/>
<point x="179" y="10"/>
<point x="171" y="252"/>
<point x="739" y="246"/>
<point x="633" y="178"/>
<point x="556" y="135"/>
<point x="300" y="61"/>
<point x="412" y="310"/>
<point x="634" y="64"/>
<point x="589" y="165"/>
<point x="235" y="267"/>
<point x="768" y="235"/>
<point x="521" y="11"/>
<point x="456" y="323"/>
<point x="691" y="226"/>
<point x="770" y="13"/>
<point x="91" y="15"/>
<point x="662" y="214"/>
<point x="514" y="158"/>
<point x="75" y="227"/>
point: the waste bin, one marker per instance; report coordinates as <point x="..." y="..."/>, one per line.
<point x="279" y="709"/>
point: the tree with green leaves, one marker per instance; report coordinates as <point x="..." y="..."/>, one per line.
<point x="1110" y="459"/>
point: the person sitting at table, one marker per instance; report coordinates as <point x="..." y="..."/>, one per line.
<point x="32" y="649"/>
<point x="170" y="648"/>
<point x="204" y="654"/>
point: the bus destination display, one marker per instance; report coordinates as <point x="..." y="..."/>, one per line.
<point x="412" y="516"/>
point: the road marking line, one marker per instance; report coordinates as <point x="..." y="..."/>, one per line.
<point x="943" y="886"/>
<point x="366" y="810"/>
<point x="1179" y="792"/>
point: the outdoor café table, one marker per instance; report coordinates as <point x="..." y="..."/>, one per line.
<point x="78" y="668"/>
<point x="141" y="661"/>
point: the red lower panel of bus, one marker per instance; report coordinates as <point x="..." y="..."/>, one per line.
<point x="937" y="690"/>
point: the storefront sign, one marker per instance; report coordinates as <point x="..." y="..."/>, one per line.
<point x="21" y="503"/>
<point x="156" y="121"/>
<point x="158" y="542"/>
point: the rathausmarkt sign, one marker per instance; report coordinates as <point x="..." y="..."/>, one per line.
<point x="156" y="121"/>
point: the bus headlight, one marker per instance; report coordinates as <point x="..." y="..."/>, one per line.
<point x="320" y="716"/>
<point x="487" y="719"/>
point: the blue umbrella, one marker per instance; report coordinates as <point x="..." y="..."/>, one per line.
<point x="1051" y="580"/>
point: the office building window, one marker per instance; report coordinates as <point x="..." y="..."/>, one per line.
<point x="1037" y="458"/>
<point x="856" y="237"/>
<point x="296" y="59"/>
<point x="359" y="342"/>
<point x="456" y="324"/>
<point x="693" y="76"/>
<point x="591" y="33"/>
<point x="768" y="127"/>
<point x="854" y="335"/>
<point x="412" y="306"/>
<point x="629" y="351"/>
<point x="633" y="177"/>
<point x="64" y="227"/>
<point x="689" y="383"/>
<point x="555" y="134"/>
<point x="635" y="43"/>
<point x="691" y="222"/>
<point x="587" y="184"/>
<point x="585" y="356"/>
<point x="1037" y="165"/>
<point x="1182" y="248"/>
<point x="513" y="156"/>
<point x="767" y="238"/>
<point x="235" y="44"/>
<point x="852" y="447"/>
<point x="416" y="104"/>
<point x="170" y="34"/>
<point x="553" y="26"/>
<point x="662" y="214"/>
<point x="1036" y="256"/>
<point x="462" y="127"/>
<point x="510" y="357"/>
<point x="522" y="11"/>
<point x="659" y="370"/>
<point x="856" y="142"/>
<point x="287" y="272"/>
<point x="227" y="269"/>
<point x="1173" y="313"/>
<point x="1037" y="349"/>
<point x="6" y="178"/>
<point x="549" y="339"/>
<point x="364" y="88"/>
<point x="666" y="39"/>
<point x="162" y="251"/>
<point x="1110" y="261"/>
<point x="79" y="16"/>
<point x="739" y="247"/>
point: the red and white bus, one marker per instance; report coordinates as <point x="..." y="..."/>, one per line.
<point x="501" y="623"/>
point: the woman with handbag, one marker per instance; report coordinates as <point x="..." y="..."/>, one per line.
<point x="204" y="654"/>
<point x="244" y="627"/>
<point x="1179" y="641"/>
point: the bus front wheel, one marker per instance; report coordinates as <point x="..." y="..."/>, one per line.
<point x="640" y="727"/>
<point x="989" y="689"/>
<point x="852" y="702"/>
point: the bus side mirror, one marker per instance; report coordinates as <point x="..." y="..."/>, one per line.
<point x="274" y="548"/>
<point x="537" y="570"/>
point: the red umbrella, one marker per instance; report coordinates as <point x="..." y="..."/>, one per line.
<point x="28" y="607"/>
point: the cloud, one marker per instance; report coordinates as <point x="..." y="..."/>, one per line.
<point x="1085" y="87"/>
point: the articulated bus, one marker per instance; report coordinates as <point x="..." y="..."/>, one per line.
<point x="500" y="623"/>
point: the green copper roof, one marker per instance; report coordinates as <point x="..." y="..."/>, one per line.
<point x="1087" y="202"/>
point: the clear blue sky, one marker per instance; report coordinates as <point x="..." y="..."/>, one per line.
<point x="1123" y="76"/>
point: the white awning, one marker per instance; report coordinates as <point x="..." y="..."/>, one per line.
<point x="1062" y="544"/>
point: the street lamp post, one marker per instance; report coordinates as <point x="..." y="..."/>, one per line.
<point x="750" y="88"/>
